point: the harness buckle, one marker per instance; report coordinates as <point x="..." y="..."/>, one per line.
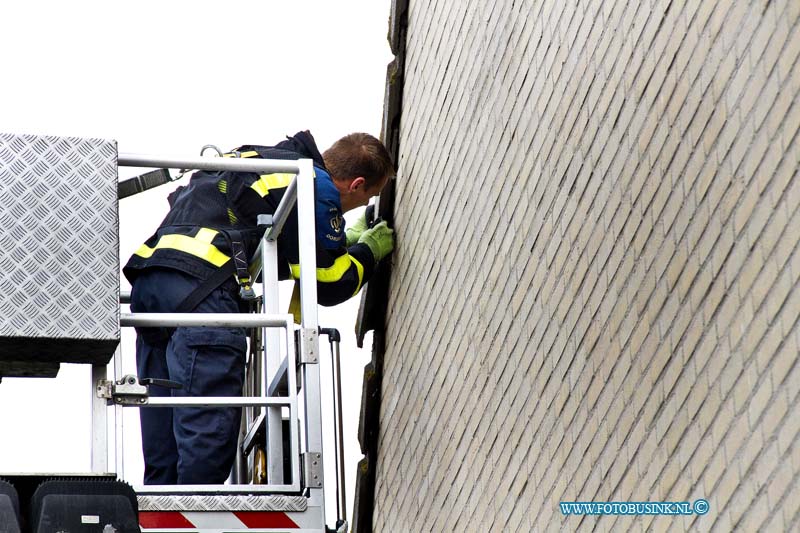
<point x="246" y="291"/>
<point x="239" y="257"/>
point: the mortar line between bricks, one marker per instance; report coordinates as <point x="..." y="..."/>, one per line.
<point x="648" y="365"/>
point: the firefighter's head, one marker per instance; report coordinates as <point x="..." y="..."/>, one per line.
<point x="360" y="167"/>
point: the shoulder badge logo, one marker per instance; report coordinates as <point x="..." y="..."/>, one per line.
<point x="336" y="223"/>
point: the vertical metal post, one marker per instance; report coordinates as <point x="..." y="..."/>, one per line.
<point x="245" y="465"/>
<point x="272" y="345"/>
<point x="291" y="376"/>
<point x="99" y="423"/>
<point x="309" y="337"/>
<point x="119" y="449"/>
<point x="307" y="235"/>
<point x="341" y="501"/>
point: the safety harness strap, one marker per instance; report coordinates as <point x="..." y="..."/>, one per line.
<point x="220" y="276"/>
<point x="239" y="253"/>
<point x="142" y="183"/>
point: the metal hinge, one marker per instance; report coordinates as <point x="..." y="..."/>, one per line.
<point x="312" y="469"/>
<point x="130" y="390"/>
<point x="125" y="391"/>
<point x="307" y="346"/>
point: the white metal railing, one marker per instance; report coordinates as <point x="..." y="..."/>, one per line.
<point x="278" y="331"/>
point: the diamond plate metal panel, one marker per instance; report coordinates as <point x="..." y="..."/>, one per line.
<point x="222" y="503"/>
<point x="59" y="249"/>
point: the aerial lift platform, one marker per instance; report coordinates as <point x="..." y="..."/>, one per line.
<point x="60" y="194"/>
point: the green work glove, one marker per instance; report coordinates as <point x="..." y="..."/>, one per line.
<point x="358" y="228"/>
<point x="380" y="239"/>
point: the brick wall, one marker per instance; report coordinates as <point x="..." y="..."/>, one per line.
<point x="595" y="293"/>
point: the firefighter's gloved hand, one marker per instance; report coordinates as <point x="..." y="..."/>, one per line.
<point x="354" y="233"/>
<point x="380" y="239"/>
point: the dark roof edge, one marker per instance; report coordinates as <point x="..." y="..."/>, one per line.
<point x="372" y="311"/>
<point x="374" y="298"/>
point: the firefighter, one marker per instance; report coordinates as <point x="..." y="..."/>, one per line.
<point x="188" y="266"/>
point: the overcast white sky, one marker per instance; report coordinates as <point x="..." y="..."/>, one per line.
<point x="166" y="78"/>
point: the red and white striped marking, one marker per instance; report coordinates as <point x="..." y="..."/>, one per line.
<point x="217" y="521"/>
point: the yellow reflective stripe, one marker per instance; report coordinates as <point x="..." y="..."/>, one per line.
<point x="195" y="246"/>
<point x="251" y="153"/>
<point x="333" y="272"/>
<point x="271" y="181"/>
<point x="360" y="269"/>
<point x="206" y="235"/>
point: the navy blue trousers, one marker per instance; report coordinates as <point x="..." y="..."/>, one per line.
<point x="188" y="445"/>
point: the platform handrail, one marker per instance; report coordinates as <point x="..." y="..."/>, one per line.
<point x="278" y="335"/>
<point x="222" y="320"/>
<point x="210" y="163"/>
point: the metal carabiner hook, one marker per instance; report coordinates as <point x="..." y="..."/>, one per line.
<point x="183" y="171"/>
<point x="211" y="146"/>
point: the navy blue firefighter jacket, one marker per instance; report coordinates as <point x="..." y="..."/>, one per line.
<point x="215" y="208"/>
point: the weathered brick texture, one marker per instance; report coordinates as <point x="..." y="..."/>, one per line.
<point x="595" y="293"/>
